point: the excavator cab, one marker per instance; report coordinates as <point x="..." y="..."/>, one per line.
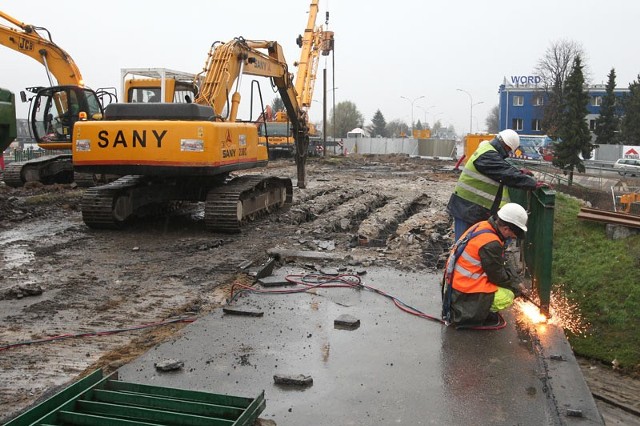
<point x="56" y="109"/>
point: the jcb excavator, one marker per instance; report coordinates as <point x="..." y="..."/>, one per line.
<point x="172" y="152"/>
<point x="275" y="132"/>
<point x="55" y="109"/>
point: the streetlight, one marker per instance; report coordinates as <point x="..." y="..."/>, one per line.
<point x="426" y="110"/>
<point x="470" y="109"/>
<point x="412" y="102"/>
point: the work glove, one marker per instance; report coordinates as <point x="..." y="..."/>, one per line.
<point x="541" y="184"/>
<point x="526" y="172"/>
<point x="519" y="290"/>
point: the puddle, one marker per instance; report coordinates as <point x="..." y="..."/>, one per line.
<point x="16" y="256"/>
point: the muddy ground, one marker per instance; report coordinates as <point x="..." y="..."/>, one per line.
<point x="59" y="277"/>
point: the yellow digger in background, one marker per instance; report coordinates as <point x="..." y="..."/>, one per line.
<point x="187" y="151"/>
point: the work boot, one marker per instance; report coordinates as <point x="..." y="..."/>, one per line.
<point x="492" y="320"/>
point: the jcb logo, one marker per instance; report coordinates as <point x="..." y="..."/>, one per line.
<point x="25" y="44"/>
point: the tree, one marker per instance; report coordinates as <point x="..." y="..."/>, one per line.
<point x="397" y="128"/>
<point x="277" y="104"/>
<point x="574" y="130"/>
<point x="556" y="64"/>
<point x="419" y="125"/>
<point x="378" y="125"/>
<point x="630" y="123"/>
<point x="347" y="118"/>
<point x="493" y="120"/>
<point x="554" y="68"/>
<point x="608" y="123"/>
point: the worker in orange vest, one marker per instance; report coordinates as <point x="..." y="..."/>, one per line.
<point x="478" y="282"/>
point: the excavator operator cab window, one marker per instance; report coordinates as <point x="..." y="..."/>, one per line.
<point x="144" y="95"/>
<point x="56" y="109"/>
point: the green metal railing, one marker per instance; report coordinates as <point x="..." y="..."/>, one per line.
<point x="98" y="400"/>
<point x="537" y="248"/>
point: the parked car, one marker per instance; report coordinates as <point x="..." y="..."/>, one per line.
<point x="627" y="166"/>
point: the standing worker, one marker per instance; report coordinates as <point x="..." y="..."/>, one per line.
<point x="480" y="190"/>
<point x="478" y="281"/>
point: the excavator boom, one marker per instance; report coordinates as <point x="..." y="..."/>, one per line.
<point x="25" y="39"/>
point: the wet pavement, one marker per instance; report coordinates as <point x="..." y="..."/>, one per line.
<point x="395" y="368"/>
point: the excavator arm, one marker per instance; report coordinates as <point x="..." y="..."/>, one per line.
<point x="25" y="39"/>
<point x="225" y="66"/>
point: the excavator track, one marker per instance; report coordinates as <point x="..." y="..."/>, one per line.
<point x="48" y="169"/>
<point x="12" y="174"/>
<point x="243" y="199"/>
<point x="101" y="208"/>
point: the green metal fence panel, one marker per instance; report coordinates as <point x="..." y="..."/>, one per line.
<point x="537" y="248"/>
<point x="95" y="400"/>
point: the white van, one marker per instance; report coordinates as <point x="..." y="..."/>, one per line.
<point x="627" y="166"/>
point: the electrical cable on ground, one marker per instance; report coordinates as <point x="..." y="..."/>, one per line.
<point x="95" y="333"/>
<point x="313" y="281"/>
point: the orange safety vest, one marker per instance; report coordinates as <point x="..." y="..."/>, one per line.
<point x="468" y="275"/>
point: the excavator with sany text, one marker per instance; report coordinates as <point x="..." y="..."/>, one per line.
<point x="187" y="152"/>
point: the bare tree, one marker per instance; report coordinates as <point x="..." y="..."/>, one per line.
<point x="554" y="68"/>
<point x="556" y="64"/>
<point x="493" y="121"/>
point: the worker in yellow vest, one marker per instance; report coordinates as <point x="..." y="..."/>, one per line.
<point x="482" y="187"/>
<point x="478" y="281"/>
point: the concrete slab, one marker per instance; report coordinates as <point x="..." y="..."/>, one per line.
<point x="394" y="368"/>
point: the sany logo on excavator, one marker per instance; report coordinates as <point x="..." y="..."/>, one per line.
<point x="227" y="144"/>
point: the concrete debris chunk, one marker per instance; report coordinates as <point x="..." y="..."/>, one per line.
<point x="292" y="380"/>
<point x="274" y="281"/>
<point x="574" y="413"/>
<point x="242" y="311"/>
<point x="21" y="290"/>
<point x="169" y="365"/>
<point x="347" y="322"/>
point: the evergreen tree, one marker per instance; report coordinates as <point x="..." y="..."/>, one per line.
<point x="277" y="104"/>
<point x="553" y="111"/>
<point x="378" y="125"/>
<point x="575" y="138"/>
<point x="608" y="123"/>
<point x="630" y="124"/>
<point x="419" y="125"/>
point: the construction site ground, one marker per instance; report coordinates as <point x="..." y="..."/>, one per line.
<point x="380" y="216"/>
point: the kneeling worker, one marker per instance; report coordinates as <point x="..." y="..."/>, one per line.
<point x="478" y="281"/>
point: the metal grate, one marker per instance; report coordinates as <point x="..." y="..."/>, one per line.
<point x="98" y="400"/>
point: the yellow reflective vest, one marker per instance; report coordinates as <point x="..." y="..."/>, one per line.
<point x="475" y="187"/>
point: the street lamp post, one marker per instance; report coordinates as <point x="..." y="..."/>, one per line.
<point x="412" y="102"/>
<point x="426" y="110"/>
<point x="470" y="108"/>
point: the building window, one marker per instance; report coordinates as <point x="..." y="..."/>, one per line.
<point x="536" y="125"/>
<point x="592" y="125"/>
<point x="518" y="100"/>
<point x="596" y="100"/>
<point x="538" y="100"/>
<point x="516" y="124"/>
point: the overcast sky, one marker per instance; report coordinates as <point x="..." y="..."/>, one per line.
<point x="384" y="50"/>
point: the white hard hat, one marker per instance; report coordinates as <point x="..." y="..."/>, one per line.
<point x="514" y="214"/>
<point x="510" y="138"/>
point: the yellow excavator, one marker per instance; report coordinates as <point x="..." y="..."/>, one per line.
<point x="274" y="128"/>
<point x="54" y="109"/>
<point x="186" y="151"/>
